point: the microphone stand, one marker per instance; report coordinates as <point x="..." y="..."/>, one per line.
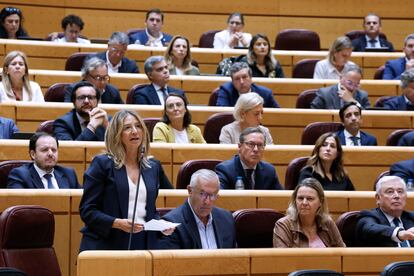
<point x="136" y="197"/>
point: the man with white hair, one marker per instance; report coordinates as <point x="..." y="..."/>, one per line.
<point x="388" y="225"/>
<point x="202" y="225"/>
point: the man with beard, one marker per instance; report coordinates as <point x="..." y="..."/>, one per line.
<point x="87" y="121"/>
<point x="43" y="173"/>
<point x="351" y="134"/>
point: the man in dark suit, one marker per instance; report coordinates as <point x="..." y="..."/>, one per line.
<point x="347" y="90"/>
<point x="87" y="121"/>
<point x="115" y="55"/>
<point x="241" y="82"/>
<point x="407" y="140"/>
<point x="43" y="173"/>
<point x="388" y="225"/>
<point x="394" y="68"/>
<point x="95" y="71"/>
<point x="7" y="128"/>
<point x="152" y="35"/>
<point x="155" y="93"/>
<point x="203" y="226"/>
<point x="372" y="39"/>
<point x="255" y="173"/>
<point x="406" y="100"/>
<point x="351" y="134"/>
<point x="403" y="169"/>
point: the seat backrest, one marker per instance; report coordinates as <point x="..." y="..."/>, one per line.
<point x="379" y="73"/>
<point x="207" y="39"/>
<point x="312" y="131"/>
<point x="150" y="124"/>
<point x="46" y="126"/>
<point x="6" y="167"/>
<point x="384" y="173"/>
<point x="212" y="101"/>
<point x="305" y="98"/>
<point x="394" y="137"/>
<point x="357" y="33"/>
<point x="292" y="172"/>
<point x="75" y="61"/>
<point x="191" y="166"/>
<point x="131" y="92"/>
<point x="304" y="69"/>
<point x="214" y="125"/>
<point x="298" y="39"/>
<point x="11" y="271"/>
<point x="346" y="224"/>
<point x="380" y="101"/>
<point x="405" y="268"/>
<point x="27" y="233"/>
<point x="315" y="272"/>
<point x="254" y="227"/>
<point x="56" y="92"/>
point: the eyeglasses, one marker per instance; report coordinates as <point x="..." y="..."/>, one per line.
<point x="235" y="23"/>
<point x="84" y="97"/>
<point x="173" y="105"/>
<point x="252" y="145"/>
<point x="204" y="196"/>
<point x="12" y="10"/>
<point x="101" y="78"/>
<point x="352" y="85"/>
<point x="119" y="51"/>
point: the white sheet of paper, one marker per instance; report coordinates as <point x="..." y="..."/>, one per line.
<point x="159" y="225"/>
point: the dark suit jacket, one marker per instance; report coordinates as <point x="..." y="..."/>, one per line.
<point x="327" y="98"/>
<point x="68" y="127"/>
<point x="366" y="139"/>
<point x="111" y="94"/>
<point x="403" y="169"/>
<point x="127" y="66"/>
<point x="394" y="68"/>
<point x="142" y="38"/>
<point x="105" y="198"/>
<point x="186" y="235"/>
<point x="26" y="177"/>
<point x="407" y="140"/>
<point x="335" y="185"/>
<point x="265" y="175"/>
<point x="359" y="44"/>
<point x="397" y="103"/>
<point x="7" y="128"/>
<point x="373" y="228"/>
<point x="148" y="95"/>
<point x="228" y="95"/>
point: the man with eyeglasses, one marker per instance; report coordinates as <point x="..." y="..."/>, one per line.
<point x="86" y="121"/>
<point x="388" y="225"/>
<point x="202" y="225"/>
<point x="347" y="90"/>
<point x="95" y="71"/>
<point x="156" y="69"/>
<point x="241" y="82"/>
<point x="114" y="56"/>
<point x="151" y="35"/>
<point x="255" y="173"/>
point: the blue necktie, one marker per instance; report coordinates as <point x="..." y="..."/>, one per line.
<point x="354" y="140"/>
<point x="249" y="173"/>
<point x="48" y="177"/>
<point x="396" y="222"/>
<point x="372" y="43"/>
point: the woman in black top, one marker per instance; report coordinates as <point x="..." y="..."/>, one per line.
<point x="11" y="23"/>
<point x="326" y="164"/>
<point x="260" y="59"/>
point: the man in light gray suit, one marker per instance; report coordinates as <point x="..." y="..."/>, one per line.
<point x="347" y="90"/>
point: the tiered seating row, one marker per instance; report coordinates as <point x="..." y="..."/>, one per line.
<point x="52" y="56"/>
<point x="364" y="164"/>
<point x="286" y="125"/>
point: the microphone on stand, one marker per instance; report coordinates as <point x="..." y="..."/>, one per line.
<point x="141" y="156"/>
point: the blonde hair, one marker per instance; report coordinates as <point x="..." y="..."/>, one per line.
<point x="341" y="43"/>
<point x="246" y="102"/>
<point x="113" y="141"/>
<point x="6" y="79"/>
<point x="169" y="57"/>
